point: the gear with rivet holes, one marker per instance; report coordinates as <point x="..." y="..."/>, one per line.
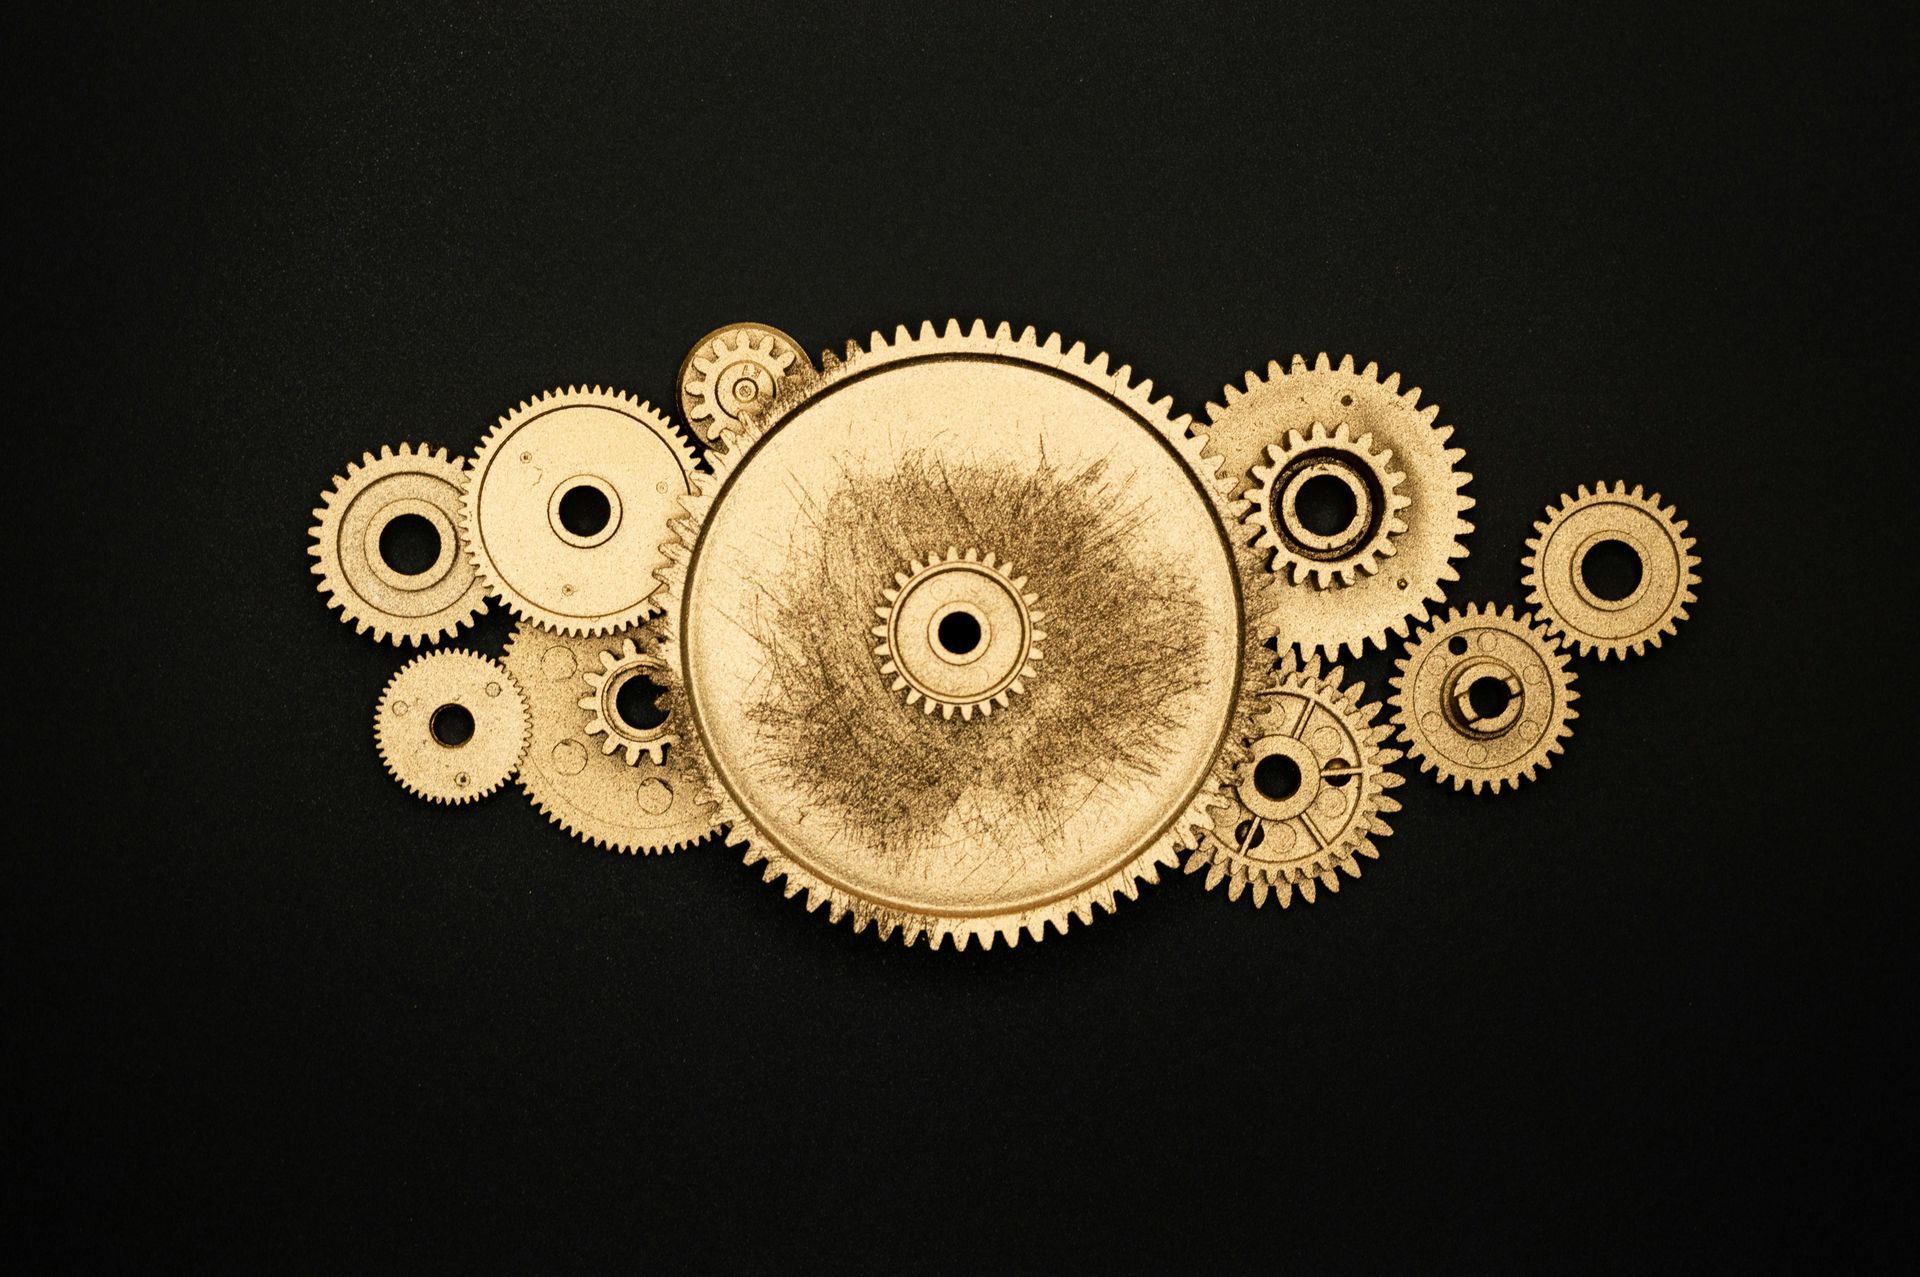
<point x="1484" y="698"/>
<point x="567" y="504"/>
<point x="1366" y="475"/>
<point x="1266" y="413"/>
<point x="1556" y="578"/>
<point x="399" y="607"/>
<point x="619" y="666"/>
<point x="645" y="805"/>
<point x="958" y="632"/>
<point x="734" y="372"/>
<point x="1306" y="796"/>
<point x="431" y="747"/>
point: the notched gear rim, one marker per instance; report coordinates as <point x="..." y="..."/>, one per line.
<point x="448" y="655"/>
<point x="1685" y="562"/>
<point x="1268" y="519"/>
<point x="338" y="499"/>
<point x="928" y="702"/>
<point x="732" y="448"/>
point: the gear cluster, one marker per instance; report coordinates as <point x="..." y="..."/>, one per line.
<point x="966" y="634"/>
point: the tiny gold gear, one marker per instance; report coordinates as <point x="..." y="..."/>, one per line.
<point x="1367" y="474"/>
<point x="735" y="371"/>
<point x="1484" y="698"/>
<point x="619" y="666"/>
<point x="451" y="726"/>
<point x="958" y="632"/>
<point x="1556" y="561"/>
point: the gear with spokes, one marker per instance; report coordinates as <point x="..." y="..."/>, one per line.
<point x="375" y="497"/>
<point x="1652" y="535"/>
<point x="634" y="731"/>
<point x="1307" y="795"/>
<point x="1300" y="614"/>
<point x="988" y="827"/>
<point x="1484" y="698"/>
<point x="1355" y="472"/>
<point x="958" y="632"/>
<point x="451" y="726"/>
<point x="567" y="504"/>
<point x="734" y="372"/>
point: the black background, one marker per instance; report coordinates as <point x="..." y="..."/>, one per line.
<point x="272" y="1008"/>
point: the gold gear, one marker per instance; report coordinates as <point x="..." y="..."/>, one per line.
<point x="1305" y="830"/>
<point x="1301" y="615"/>
<point x="1367" y="473"/>
<point x="737" y="370"/>
<point x="399" y="607"/>
<point x="970" y="829"/>
<point x="1556" y="558"/>
<point x="619" y="666"/>
<point x="1504" y="739"/>
<point x="958" y="632"/>
<point x="642" y="806"/>
<point x="599" y="445"/>
<point x="412" y="726"/>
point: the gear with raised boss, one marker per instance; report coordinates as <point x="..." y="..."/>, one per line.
<point x="1367" y="478"/>
<point x="1651" y="535"/>
<point x="737" y="371"/>
<point x="451" y="726"/>
<point x="958" y="632"/>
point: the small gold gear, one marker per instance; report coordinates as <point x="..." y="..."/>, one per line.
<point x="1307" y="794"/>
<point x="399" y="607"/>
<point x="736" y="370"/>
<point x="1484" y="698"/>
<point x="958" y="632"/>
<point x="1557" y="555"/>
<point x="451" y="726"/>
<point x="619" y="666"/>
<point x="1370" y="481"/>
<point x="644" y="806"/>
<point x="598" y="448"/>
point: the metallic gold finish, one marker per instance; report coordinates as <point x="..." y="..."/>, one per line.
<point x="647" y="804"/>
<point x="619" y="666"/>
<point x="593" y="442"/>
<point x="418" y="608"/>
<point x="962" y="828"/>
<point x="409" y="726"/>
<point x="1333" y="558"/>
<point x="1557" y="553"/>
<point x="1366" y="606"/>
<point x="734" y="372"/>
<point x="1500" y="739"/>
<point x="991" y="613"/>
<point x="1275" y="839"/>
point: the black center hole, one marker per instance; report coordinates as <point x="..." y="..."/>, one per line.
<point x="959" y="632"/>
<point x="1611" y="570"/>
<point x="1488" y="696"/>
<point x="638" y="703"/>
<point x="452" y="725"/>
<point x="410" y="544"/>
<point x="1325" y="505"/>
<point x="1277" y="777"/>
<point x="584" y="510"/>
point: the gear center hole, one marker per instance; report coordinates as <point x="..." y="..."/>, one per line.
<point x="637" y="702"/>
<point x="1326" y="506"/>
<point x="1489" y="696"/>
<point x="1611" y="570"/>
<point x="584" y="510"/>
<point x="1277" y="777"/>
<point x="451" y="725"/>
<point x="959" y="632"/>
<point x="410" y="544"/>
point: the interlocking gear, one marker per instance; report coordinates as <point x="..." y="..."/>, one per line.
<point x="735" y="371"/>
<point x="451" y="726"/>
<point x="647" y="805"/>
<point x="1556" y="576"/>
<point x="619" y="667"/>
<point x="356" y="512"/>
<point x="1484" y="698"/>
<point x="1307" y="795"/>
<point x="958" y="632"/>
<point x="1364" y="474"/>
<point x="1299" y="613"/>
<point x="568" y="503"/>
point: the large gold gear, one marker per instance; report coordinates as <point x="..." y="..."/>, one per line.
<point x="400" y="607"/>
<point x="957" y="828"/>
<point x="1484" y="698"/>
<point x="646" y="805"/>
<point x="451" y="726"/>
<point x="1306" y="796"/>
<point x="1266" y="413"/>
<point x="958" y="632"/>
<point x="735" y="372"/>
<point x="592" y="446"/>
<point x="1557" y="555"/>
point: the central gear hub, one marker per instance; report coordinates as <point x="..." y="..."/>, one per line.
<point x="958" y="632"/>
<point x="1370" y="483"/>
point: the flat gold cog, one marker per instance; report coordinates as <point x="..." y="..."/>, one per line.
<point x="1557" y="555"/>
<point x="736" y="372"/>
<point x="1309" y="556"/>
<point x="958" y="633"/>
<point x="451" y="726"/>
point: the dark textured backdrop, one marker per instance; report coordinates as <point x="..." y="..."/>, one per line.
<point x="272" y="1008"/>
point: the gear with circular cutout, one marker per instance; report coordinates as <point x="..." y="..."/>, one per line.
<point x="1302" y="830"/>
<point x="1556" y="558"/>
<point x="619" y="666"/>
<point x="735" y="371"/>
<point x="1484" y="698"/>
<point x="958" y="632"/>
<point x="643" y="806"/>
<point x="597" y="448"/>
<point x="1334" y="456"/>
<point x="411" y="726"/>
<point x="1264" y="413"/>
<point x="399" y="607"/>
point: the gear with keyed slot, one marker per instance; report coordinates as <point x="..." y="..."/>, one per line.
<point x="1649" y="536"/>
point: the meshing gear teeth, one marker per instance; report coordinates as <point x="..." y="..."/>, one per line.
<point x="1503" y="737"/>
<point x="413" y="726"/>
<point x="736" y="372"/>
<point x="1307" y="793"/>
<point x="398" y="607"/>
<point x="1557" y="555"/>
<point x="958" y="632"/>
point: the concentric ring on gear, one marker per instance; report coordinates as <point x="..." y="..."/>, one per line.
<point x="451" y="726"/>
<point x="1369" y="480"/>
<point x="958" y="632"/>
<point x="735" y="371"/>
<point x="1557" y="556"/>
<point x="620" y="665"/>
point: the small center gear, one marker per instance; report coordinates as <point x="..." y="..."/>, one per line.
<point x="958" y="632"/>
<point x="1558" y="556"/>
<point x="451" y="726"/>
<point x="1353" y="545"/>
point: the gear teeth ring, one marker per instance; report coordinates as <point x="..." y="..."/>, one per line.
<point x="734" y="374"/>
<point x="1368" y="476"/>
<point x="619" y="667"/>
<point x="452" y="726"/>
<point x="959" y="632"/>
<point x="1556" y="560"/>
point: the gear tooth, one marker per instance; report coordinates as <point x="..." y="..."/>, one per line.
<point x="1346" y="363"/>
<point x="1260" y="890"/>
<point x="1306" y="888"/>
